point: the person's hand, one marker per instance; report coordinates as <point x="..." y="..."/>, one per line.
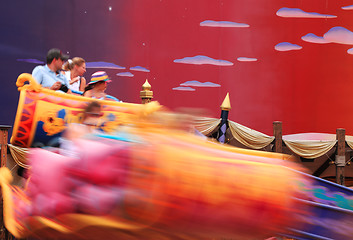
<point x="56" y="86"/>
<point x="74" y="80"/>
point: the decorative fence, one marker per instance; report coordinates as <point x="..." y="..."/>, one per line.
<point x="307" y="147"/>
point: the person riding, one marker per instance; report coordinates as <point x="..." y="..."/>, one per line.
<point x="96" y="87"/>
<point x="49" y="75"/>
<point x="88" y="124"/>
<point x="74" y="70"/>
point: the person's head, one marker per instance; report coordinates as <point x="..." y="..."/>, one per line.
<point x="76" y="64"/>
<point x="100" y="86"/>
<point x="56" y="58"/>
<point x="92" y="113"/>
<point x="98" y="81"/>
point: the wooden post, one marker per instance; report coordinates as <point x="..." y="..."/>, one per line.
<point x="223" y="126"/>
<point x="4" y="132"/>
<point x="340" y="160"/>
<point x="277" y="133"/>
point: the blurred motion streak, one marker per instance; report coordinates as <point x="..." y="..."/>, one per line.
<point x="169" y="182"/>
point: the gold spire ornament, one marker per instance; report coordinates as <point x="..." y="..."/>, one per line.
<point x="226" y="103"/>
<point x="146" y="94"/>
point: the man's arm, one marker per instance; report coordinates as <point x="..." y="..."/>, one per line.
<point x="37" y="73"/>
<point x="67" y="84"/>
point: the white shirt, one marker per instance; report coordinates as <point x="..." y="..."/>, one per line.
<point x="76" y="85"/>
<point x="46" y="77"/>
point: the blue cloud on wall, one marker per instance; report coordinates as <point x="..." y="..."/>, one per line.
<point x="211" y="23"/>
<point x="246" y="59"/>
<point x="195" y="83"/>
<point x="350" y="7"/>
<point x="125" y="74"/>
<point x="200" y="59"/>
<point x="103" y="65"/>
<point x="286" y="46"/>
<point x="183" y="89"/>
<point x="30" y="60"/>
<point x="339" y="35"/>
<point x="312" y="38"/>
<point x="298" y="13"/>
<point x="350" y="51"/>
<point x="140" y="69"/>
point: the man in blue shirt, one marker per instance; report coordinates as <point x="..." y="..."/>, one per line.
<point x="50" y="76"/>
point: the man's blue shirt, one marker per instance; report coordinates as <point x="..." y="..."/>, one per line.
<point x="46" y="77"/>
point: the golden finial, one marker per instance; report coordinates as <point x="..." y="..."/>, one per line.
<point x="146" y="85"/>
<point x="226" y="103"/>
<point x="146" y="94"/>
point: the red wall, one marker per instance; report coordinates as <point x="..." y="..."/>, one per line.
<point x="308" y="89"/>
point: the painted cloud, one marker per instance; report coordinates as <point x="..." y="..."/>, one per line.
<point x="298" y="13"/>
<point x="246" y="59"/>
<point x="140" y="69"/>
<point x="350" y="51"/>
<point x="195" y="83"/>
<point x="184" y="89"/>
<point x="311" y="37"/>
<point x="211" y="23"/>
<point x="103" y="65"/>
<point x="339" y="35"/>
<point x="348" y="7"/>
<point x="125" y="74"/>
<point x="30" y="60"/>
<point x="286" y="46"/>
<point x="200" y="59"/>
